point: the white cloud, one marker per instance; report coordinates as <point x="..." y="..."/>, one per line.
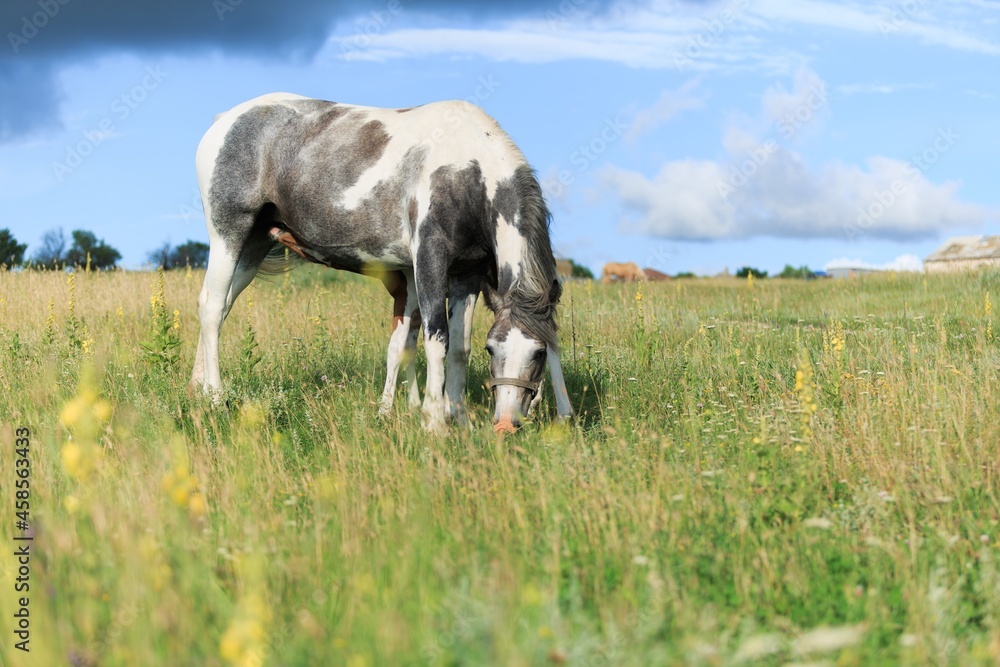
<point x="733" y="35"/>
<point x="808" y="90"/>
<point x="879" y="88"/>
<point x="910" y="263"/>
<point x="669" y="104"/>
<point x="946" y="23"/>
<point x="982" y="95"/>
<point x="783" y="196"/>
<point x="762" y="188"/>
<point x="641" y="48"/>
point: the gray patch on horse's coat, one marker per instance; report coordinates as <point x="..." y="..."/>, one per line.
<point x="411" y="214"/>
<point x="302" y="158"/>
<point x="312" y="206"/>
<point x="325" y="119"/>
<point x="501" y="328"/>
<point x="323" y="164"/>
<point x="505" y="278"/>
<point x="235" y="195"/>
<point x="453" y="226"/>
<point x="456" y="215"/>
<point x="511" y="195"/>
<point x="310" y="105"/>
<point x="371" y="142"/>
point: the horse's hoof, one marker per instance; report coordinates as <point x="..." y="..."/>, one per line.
<point x="433" y="424"/>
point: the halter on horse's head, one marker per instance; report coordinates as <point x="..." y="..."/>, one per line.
<point x="520" y="342"/>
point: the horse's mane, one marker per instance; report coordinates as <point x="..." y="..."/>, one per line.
<point x="534" y="293"/>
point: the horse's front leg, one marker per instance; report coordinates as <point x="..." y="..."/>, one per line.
<point x="432" y="291"/>
<point x="563" y="406"/>
<point x="462" y="295"/>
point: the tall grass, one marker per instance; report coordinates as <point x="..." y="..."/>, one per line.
<point x="759" y="472"/>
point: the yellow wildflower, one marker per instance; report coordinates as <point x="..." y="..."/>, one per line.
<point x="71" y="458"/>
<point x="805" y="392"/>
<point x="85" y="415"/>
<point x="71" y="413"/>
<point x="71" y="503"/>
<point x="243" y="642"/>
<point x="180" y="484"/>
<point x="197" y="505"/>
<point x="102" y="411"/>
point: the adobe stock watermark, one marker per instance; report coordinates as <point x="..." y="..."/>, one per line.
<point x="370" y="26"/>
<point x="32" y="24"/>
<point x="787" y="126"/>
<point x="566" y="10"/>
<point x="121" y="108"/>
<point x="186" y="212"/>
<point x="460" y="629"/>
<point x="121" y="620"/>
<point x="898" y="16"/>
<point x="882" y="200"/>
<point x="274" y="641"/>
<point x="713" y="29"/>
<point x="585" y="155"/>
<point x="223" y="7"/>
<point x="455" y="115"/>
<point x="660" y="256"/>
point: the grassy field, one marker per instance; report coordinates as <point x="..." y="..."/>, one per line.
<point x="769" y="473"/>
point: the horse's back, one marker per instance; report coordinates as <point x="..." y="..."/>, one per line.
<point x="342" y="175"/>
<point x="449" y="127"/>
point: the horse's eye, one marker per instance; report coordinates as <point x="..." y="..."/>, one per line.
<point x="539" y="354"/>
<point x="489" y="349"/>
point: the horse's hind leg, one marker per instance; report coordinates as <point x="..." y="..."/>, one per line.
<point x="228" y="274"/>
<point x="212" y="309"/>
<point x="462" y="295"/>
<point x="413" y="400"/>
<point x="403" y="341"/>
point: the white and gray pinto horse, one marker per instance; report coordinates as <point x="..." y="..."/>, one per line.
<point x="436" y="200"/>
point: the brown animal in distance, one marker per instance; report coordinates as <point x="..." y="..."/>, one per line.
<point x="654" y="276"/>
<point x="626" y="272"/>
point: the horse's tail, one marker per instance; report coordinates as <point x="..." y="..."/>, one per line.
<point x="278" y="260"/>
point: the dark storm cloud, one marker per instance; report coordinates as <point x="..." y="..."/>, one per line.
<point x="28" y="98"/>
<point x="41" y="35"/>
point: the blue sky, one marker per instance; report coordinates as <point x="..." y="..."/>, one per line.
<point x="684" y="136"/>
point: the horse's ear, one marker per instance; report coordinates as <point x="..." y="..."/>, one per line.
<point x="555" y="292"/>
<point x="491" y="296"/>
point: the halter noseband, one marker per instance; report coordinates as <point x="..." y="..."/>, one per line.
<point x="516" y="382"/>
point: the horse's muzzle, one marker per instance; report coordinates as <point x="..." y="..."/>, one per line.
<point x="506" y="423"/>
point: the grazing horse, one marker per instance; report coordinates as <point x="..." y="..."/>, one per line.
<point x="435" y="200"/>
<point x="628" y="272"/>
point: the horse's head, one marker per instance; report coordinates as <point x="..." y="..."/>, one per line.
<point x="519" y="343"/>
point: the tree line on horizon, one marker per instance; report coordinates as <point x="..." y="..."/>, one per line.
<point x="85" y="249"/>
